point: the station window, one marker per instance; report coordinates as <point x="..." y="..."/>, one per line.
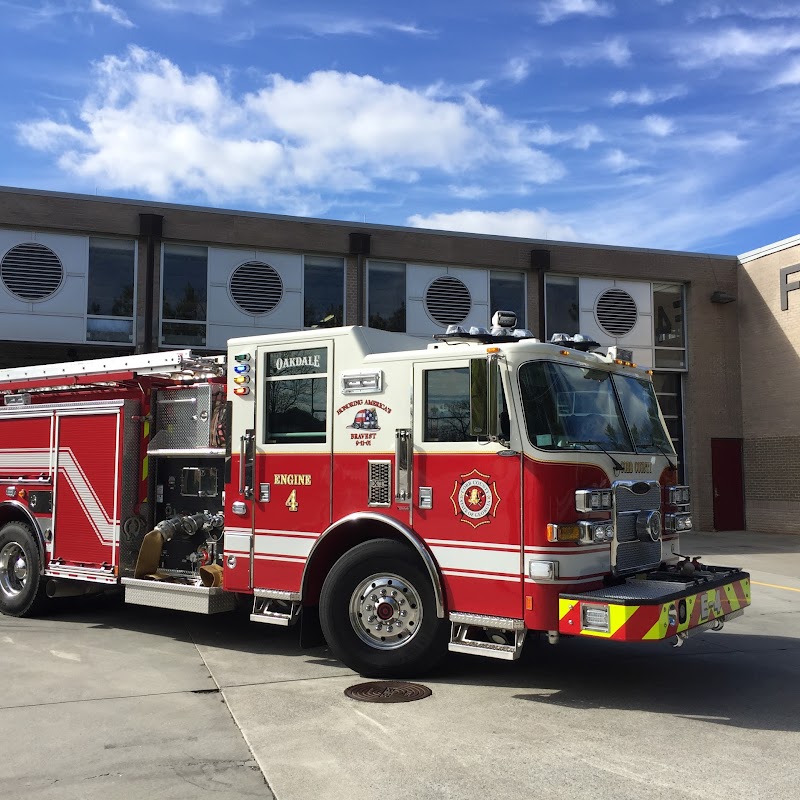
<point x="323" y="292"/>
<point x="109" y="300"/>
<point x="507" y="293"/>
<point x="561" y="305"/>
<point x="184" y="292"/>
<point x="387" y="296"/>
<point x="669" y="330"/>
<point x="296" y="396"/>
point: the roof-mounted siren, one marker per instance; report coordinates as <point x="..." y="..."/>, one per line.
<point x="575" y="341"/>
<point x="504" y="323"/>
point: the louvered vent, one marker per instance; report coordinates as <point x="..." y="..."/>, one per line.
<point x="448" y="301"/>
<point x="380" y="483"/>
<point x="256" y="287"/>
<point x="616" y="312"/>
<point x="31" y="271"/>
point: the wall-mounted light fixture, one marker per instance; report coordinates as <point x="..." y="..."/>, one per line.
<point x="718" y="296"/>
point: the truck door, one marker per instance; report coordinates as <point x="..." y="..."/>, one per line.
<point x="466" y="493"/>
<point x="292" y="487"/>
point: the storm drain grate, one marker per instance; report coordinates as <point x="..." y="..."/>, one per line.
<point x="387" y="692"/>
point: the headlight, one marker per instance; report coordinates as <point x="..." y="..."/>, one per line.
<point x="596" y="532"/>
<point x="594" y="500"/>
<point x="682" y="521"/>
<point x="678" y="495"/>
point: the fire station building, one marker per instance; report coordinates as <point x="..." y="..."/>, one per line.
<point x="87" y="277"/>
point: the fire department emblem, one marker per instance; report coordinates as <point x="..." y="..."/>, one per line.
<point x="474" y="499"/>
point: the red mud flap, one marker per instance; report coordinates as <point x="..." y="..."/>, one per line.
<point x="656" y="606"/>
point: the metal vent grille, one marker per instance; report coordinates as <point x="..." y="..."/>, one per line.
<point x="630" y="554"/>
<point x="256" y="287"/>
<point x="380" y="483"/>
<point x="616" y="312"/>
<point x="31" y="271"/>
<point x="448" y="301"/>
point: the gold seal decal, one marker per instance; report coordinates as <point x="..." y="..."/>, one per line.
<point x="475" y="499"/>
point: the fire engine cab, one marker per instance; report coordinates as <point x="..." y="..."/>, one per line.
<point x="403" y="499"/>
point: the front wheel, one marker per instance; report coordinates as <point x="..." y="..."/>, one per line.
<point x="378" y="612"/>
<point x="19" y="570"/>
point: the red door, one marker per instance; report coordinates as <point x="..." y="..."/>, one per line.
<point x="466" y="500"/>
<point x="727" y="480"/>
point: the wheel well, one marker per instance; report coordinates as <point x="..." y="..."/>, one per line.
<point x="335" y="542"/>
<point x="16" y="512"/>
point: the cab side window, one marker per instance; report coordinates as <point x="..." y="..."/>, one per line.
<point x="296" y="403"/>
<point x="447" y="405"/>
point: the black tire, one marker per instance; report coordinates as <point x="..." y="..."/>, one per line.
<point x="20" y="576"/>
<point x="404" y="637"/>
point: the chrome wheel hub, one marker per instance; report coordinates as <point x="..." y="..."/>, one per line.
<point x="385" y="611"/>
<point x="13" y="569"/>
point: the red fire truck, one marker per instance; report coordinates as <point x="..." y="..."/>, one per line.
<point x="402" y="498"/>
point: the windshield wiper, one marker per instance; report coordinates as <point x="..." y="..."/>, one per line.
<point x="660" y="450"/>
<point x="614" y="461"/>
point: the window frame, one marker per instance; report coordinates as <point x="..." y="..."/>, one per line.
<point x="111" y="317"/>
<point x="182" y="323"/>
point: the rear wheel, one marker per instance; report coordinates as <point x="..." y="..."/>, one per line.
<point x="378" y="612"/>
<point x="19" y="570"/>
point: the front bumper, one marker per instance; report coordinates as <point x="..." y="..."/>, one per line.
<point x="656" y="605"/>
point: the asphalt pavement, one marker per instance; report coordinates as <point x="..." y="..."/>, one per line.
<point x="106" y="700"/>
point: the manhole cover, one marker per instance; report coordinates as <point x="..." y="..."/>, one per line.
<point x="387" y="692"/>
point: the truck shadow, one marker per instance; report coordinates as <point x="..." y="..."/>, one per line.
<point x="737" y="680"/>
<point x="730" y="679"/>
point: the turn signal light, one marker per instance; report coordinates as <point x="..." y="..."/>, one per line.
<point x="563" y="533"/>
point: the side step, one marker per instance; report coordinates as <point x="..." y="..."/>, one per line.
<point x="178" y="596"/>
<point x="275" y="612"/>
<point x="493" y="637"/>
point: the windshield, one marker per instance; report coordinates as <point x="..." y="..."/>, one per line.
<point x="641" y="412"/>
<point x="569" y="407"/>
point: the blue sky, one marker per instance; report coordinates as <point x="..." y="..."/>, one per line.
<point x="654" y="123"/>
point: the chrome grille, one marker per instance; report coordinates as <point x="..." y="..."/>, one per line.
<point x="380" y="483"/>
<point x="629" y="554"/>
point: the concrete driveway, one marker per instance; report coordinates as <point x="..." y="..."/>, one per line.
<point x="107" y="700"/>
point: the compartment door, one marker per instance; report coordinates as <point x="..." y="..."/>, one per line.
<point x="88" y="452"/>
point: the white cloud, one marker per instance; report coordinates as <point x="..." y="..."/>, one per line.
<point x="551" y="11"/>
<point x="326" y="25"/>
<point x="581" y="138"/>
<point x="540" y="224"/>
<point x="203" y="8"/>
<point x="673" y="213"/>
<point x="467" y="192"/>
<point x="149" y="127"/>
<point x="760" y="11"/>
<point x="615" y="50"/>
<point x="717" y="143"/>
<point x="30" y="17"/>
<point x="517" y="69"/>
<point x="735" y="46"/>
<point x="658" y="125"/>
<point x="645" y="96"/>
<point x="617" y="161"/>
<point x="116" y="14"/>
<point x="790" y="76"/>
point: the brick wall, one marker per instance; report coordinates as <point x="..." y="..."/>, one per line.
<point x="770" y="356"/>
